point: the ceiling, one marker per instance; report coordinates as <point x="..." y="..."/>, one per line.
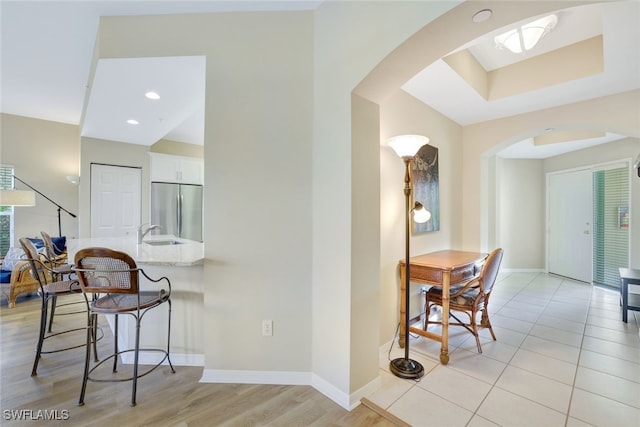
<point x="440" y="87"/>
<point x="47" y="49"/>
<point x="118" y="94"/>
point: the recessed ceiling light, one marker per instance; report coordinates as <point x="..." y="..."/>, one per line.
<point x="152" y="95"/>
<point x="482" y="15"/>
<point x="133" y="122"/>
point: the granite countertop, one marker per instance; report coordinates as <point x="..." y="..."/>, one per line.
<point x="187" y="253"/>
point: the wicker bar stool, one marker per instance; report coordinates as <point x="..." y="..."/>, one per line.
<point x="59" y="268"/>
<point x="115" y="276"/>
<point x="49" y="290"/>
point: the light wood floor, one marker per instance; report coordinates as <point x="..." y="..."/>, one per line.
<point x="164" y="399"/>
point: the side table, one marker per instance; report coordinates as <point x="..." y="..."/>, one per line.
<point x="629" y="276"/>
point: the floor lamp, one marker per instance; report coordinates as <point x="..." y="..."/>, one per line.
<point x="60" y="208"/>
<point x="406" y="147"/>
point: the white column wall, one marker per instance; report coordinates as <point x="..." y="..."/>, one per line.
<point x="350" y="39"/>
<point x="257" y="191"/>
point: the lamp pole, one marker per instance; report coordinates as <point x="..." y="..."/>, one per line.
<point x="60" y="208"/>
<point x="405" y="367"/>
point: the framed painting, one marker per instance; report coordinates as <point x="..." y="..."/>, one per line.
<point x="425" y="185"/>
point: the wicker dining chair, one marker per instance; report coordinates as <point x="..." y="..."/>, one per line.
<point x="470" y="298"/>
<point x="116" y="278"/>
<point x="49" y="290"/>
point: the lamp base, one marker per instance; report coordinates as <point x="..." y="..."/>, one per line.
<point x="406" y="368"/>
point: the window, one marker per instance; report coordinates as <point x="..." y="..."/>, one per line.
<point x="611" y="225"/>
<point x="6" y="212"/>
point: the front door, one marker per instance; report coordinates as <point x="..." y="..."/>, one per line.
<point x="115" y="200"/>
<point x="570" y="223"/>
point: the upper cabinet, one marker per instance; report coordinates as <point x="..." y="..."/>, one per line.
<point x="179" y="169"/>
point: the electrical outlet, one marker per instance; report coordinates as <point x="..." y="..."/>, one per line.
<point x="267" y="328"/>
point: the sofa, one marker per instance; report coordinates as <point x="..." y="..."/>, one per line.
<point x="15" y="273"/>
<point x="20" y="282"/>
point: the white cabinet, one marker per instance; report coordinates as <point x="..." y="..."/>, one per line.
<point x="183" y="170"/>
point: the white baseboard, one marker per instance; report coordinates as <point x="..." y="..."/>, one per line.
<point x="364" y="391"/>
<point x="522" y="270"/>
<point x="331" y="391"/>
<point x="255" y="377"/>
<point x="152" y="357"/>
<point x="345" y="400"/>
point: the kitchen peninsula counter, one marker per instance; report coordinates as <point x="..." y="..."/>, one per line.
<point x="183" y="264"/>
<point x="186" y="253"/>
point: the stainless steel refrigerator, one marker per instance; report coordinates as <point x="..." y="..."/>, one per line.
<point x="177" y="208"/>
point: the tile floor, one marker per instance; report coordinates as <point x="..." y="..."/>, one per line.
<point x="563" y="357"/>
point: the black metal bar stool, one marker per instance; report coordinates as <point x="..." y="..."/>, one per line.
<point x="49" y="290"/>
<point x="115" y="277"/>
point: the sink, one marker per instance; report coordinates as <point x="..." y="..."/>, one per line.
<point x="162" y="242"/>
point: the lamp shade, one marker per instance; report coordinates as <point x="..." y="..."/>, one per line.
<point x="421" y="215"/>
<point x="406" y="146"/>
<point x="17" y="198"/>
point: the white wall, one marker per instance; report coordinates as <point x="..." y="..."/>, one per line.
<point x="350" y="38"/>
<point x="520" y="199"/>
<point x="365" y="248"/>
<point x="43" y="153"/>
<point x="257" y="191"/>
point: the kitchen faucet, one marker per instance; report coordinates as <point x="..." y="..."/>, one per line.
<point x="141" y="234"/>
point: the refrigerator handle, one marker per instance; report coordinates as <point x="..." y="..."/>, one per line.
<point x="178" y="214"/>
<point x="180" y="198"/>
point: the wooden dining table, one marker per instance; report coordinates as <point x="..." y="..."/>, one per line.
<point x="444" y="269"/>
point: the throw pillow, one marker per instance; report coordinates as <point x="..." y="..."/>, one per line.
<point x="38" y="243"/>
<point x="59" y="244"/>
<point x="13" y="256"/>
<point x="5" y="276"/>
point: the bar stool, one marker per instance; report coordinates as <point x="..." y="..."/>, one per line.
<point x="115" y="276"/>
<point x="59" y="267"/>
<point x="49" y="289"/>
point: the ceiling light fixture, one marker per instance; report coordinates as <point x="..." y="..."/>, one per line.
<point x="526" y="36"/>
<point x="133" y="122"/>
<point x="152" y="95"/>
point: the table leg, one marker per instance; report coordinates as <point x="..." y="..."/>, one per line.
<point x="624" y="291"/>
<point x="444" y="350"/>
<point x="403" y="307"/>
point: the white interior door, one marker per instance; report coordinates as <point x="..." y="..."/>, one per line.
<point x="115" y="200"/>
<point x="570" y="216"/>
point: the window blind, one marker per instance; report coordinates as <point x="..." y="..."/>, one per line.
<point x="6" y="212"/>
<point x="611" y="225"/>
